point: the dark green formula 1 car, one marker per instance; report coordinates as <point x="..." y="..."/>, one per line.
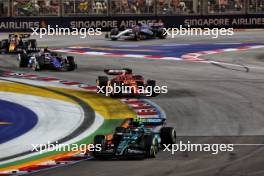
<point x="143" y="138"/>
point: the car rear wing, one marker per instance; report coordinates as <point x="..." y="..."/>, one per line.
<point x="32" y="50"/>
<point x="21" y="35"/>
<point x="118" y="71"/>
<point x="151" y="121"/>
<point x="35" y="50"/>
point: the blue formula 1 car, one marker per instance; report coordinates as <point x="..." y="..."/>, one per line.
<point x="142" y="138"/>
<point x="139" y="32"/>
<point x="46" y="59"/>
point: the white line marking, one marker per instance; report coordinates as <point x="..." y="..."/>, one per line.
<point x="248" y="144"/>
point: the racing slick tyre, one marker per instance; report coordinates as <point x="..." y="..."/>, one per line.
<point x="31" y="44"/>
<point x="101" y="82"/>
<point x="151" y="146"/>
<point x="99" y="140"/>
<point x="151" y="85"/>
<point x="162" y="34"/>
<point x="114" y="32"/>
<point x="118" y="135"/>
<point x="71" y="65"/>
<point x="4" y="46"/>
<point x="168" y="135"/>
<point x="23" y="60"/>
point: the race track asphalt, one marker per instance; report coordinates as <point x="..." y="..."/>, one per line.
<point x="206" y="103"/>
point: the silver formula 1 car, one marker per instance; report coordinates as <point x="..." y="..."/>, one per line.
<point x="139" y="32"/>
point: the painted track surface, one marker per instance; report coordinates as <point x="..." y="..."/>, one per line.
<point x="35" y="161"/>
<point x="21" y="118"/>
<point x="51" y="128"/>
<point x="70" y="128"/>
<point x="165" y="50"/>
<point x="204" y="101"/>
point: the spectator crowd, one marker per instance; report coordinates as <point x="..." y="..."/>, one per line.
<point x="222" y="6"/>
<point x="84" y="7"/>
<point x="132" y="6"/>
<point x="126" y="7"/>
<point x="35" y="7"/>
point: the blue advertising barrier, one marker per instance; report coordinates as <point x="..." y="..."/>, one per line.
<point x="23" y="24"/>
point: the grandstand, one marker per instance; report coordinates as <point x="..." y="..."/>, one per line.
<point x="22" y="15"/>
<point x="61" y="8"/>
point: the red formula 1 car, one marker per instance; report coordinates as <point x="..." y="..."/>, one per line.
<point x="124" y="83"/>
